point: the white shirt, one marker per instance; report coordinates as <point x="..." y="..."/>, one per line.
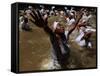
<point x="70" y="21"/>
<point x="78" y="39"/>
<point x="21" y="19"/>
<point x="66" y="33"/>
<point x="82" y="42"/>
<point x="86" y="18"/>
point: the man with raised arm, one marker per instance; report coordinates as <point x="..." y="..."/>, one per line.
<point x="60" y="50"/>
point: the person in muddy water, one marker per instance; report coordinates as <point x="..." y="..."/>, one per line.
<point x="58" y="37"/>
<point x="61" y="38"/>
<point x="25" y="25"/>
<point x="84" y="37"/>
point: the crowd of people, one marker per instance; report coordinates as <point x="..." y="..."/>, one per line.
<point x="76" y="19"/>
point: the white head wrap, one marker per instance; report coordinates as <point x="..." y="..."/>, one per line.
<point x="55" y="24"/>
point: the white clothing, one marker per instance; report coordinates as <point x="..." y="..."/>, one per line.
<point x="70" y="22"/>
<point x="21" y="21"/>
<point x="86" y="18"/>
<point x="21" y="18"/>
<point x="78" y="39"/>
<point x="90" y="29"/>
<point x="82" y="42"/>
<point x="55" y="24"/>
<point x="66" y="33"/>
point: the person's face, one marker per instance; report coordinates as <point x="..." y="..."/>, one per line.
<point x="60" y="29"/>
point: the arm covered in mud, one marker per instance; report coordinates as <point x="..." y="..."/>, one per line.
<point x="42" y="22"/>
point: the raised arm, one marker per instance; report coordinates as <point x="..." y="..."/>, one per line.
<point x="76" y="23"/>
<point x="41" y="22"/>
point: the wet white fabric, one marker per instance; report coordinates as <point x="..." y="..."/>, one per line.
<point x="90" y="29"/>
<point x="21" y="21"/>
<point x="90" y="45"/>
<point x="78" y="39"/>
<point x="55" y="25"/>
<point x="42" y="10"/>
<point x="82" y="30"/>
<point x="66" y="33"/>
<point x="70" y="21"/>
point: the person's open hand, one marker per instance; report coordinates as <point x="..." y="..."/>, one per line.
<point x="38" y="19"/>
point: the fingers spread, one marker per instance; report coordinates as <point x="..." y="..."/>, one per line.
<point x="35" y="14"/>
<point x="39" y="15"/>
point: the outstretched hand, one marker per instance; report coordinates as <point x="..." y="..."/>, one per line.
<point x="38" y="19"/>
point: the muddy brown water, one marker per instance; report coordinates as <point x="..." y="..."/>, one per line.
<point x="35" y="46"/>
